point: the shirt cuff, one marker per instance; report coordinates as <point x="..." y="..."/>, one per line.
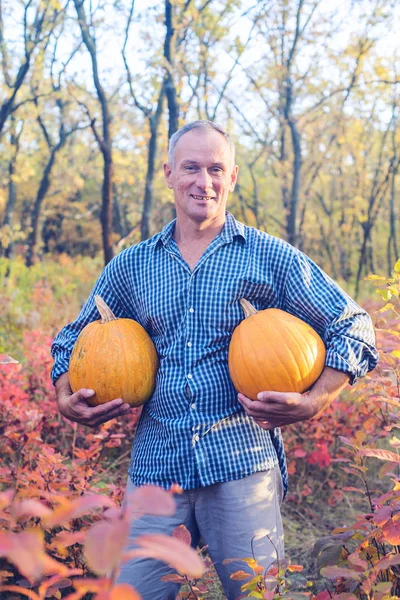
<point x="335" y="361"/>
<point x="61" y="366"/>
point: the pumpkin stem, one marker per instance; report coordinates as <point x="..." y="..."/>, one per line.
<point x="248" y="308"/>
<point x="105" y="312"/>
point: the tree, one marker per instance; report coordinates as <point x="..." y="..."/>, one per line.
<point x="177" y="23"/>
<point x="8" y="236"/>
<point x="105" y="139"/>
<point x="54" y="146"/>
<point x="39" y="21"/>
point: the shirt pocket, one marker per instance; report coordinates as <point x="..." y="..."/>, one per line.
<point x="225" y="312"/>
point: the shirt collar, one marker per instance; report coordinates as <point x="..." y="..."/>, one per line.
<point x="232" y="228"/>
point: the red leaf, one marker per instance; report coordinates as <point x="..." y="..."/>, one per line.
<point x="6" y="542"/>
<point x="30" y="508"/>
<point x="333" y="572"/>
<point x="150" y="500"/>
<point x="174" y="578"/>
<point x="28" y="555"/>
<point x="356" y="560"/>
<point x="104" y="544"/>
<point x="382" y="515"/>
<point x="335" y="498"/>
<point x="69" y="538"/>
<point x="78" y="507"/>
<point x="391" y="531"/>
<point x="381" y="454"/>
<point x="295" y="568"/>
<point x="182" y="533"/>
<point x="387" y="562"/>
<point x="89" y="584"/>
<point x="240" y="576"/>
<point x="320" y="457"/>
<point x="15" y="588"/>
<point x="6" y="360"/>
<point x="325" y="595"/>
<point x="169" y="550"/>
<point x="300" y="453"/>
<point x="6" y="498"/>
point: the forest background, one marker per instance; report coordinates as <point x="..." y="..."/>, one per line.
<point x="91" y="91"/>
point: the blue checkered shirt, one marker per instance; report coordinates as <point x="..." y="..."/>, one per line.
<point x="193" y="431"/>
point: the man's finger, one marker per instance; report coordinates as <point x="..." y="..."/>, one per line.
<point x="255" y="408"/>
<point x="84" y="393"/>
<point x="103" y="418"/>
<point x="279" y="397"/>
<point x="106" y="407"/>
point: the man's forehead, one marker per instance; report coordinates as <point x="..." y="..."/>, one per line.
<point x="196" y="139"/>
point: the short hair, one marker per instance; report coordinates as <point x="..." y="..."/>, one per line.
<point x="202" y="125"/>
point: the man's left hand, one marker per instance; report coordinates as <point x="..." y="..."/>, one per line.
<point x="275" y="409"/>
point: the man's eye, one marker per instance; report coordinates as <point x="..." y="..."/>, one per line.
<point x="216" y="170"/>
<point x="189" y="168"/>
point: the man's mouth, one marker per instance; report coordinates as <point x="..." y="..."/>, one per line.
<point x="203" y="198"/>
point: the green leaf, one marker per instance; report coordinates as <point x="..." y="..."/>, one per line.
<point x="393" y="290"/>
<point x="387" y="306"/>
<point x="397" y="266"/>
<point x="385" y="295"/>
<point x="375" y="278"/>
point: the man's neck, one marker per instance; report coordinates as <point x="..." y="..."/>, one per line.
<point x="188" y="231"/>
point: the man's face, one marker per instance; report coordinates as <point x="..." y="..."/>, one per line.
<point x="202" y="175"/>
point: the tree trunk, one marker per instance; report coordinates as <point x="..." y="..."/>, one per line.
<point x="105" y="143"/>
<point x="297" y="162"/>
<point x="117" y="220"/>
<point x="31" y="256"/>
<point x="107" y="207"/>
<point x="392" y="241"/>
<point x="8" y="106"/>
<point x="392" y="248"/>
<point x="151" y="158"/>
<point x="12" y="188"/>
<point x="170" y="90"/>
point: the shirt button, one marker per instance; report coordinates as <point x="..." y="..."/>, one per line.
<point x="193" y="406"/>
<point x="189" y="344"/>
<point x="196" y="438"/>
<point x="189" y="376"/>
<point x="191" y="309"/>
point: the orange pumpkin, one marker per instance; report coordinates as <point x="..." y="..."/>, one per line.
<point x="272" y="350"/>
<point x="114" y="357"/>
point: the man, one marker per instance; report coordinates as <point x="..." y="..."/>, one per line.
<point x="184" y="285"/>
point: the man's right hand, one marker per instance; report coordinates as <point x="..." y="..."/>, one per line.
<point x="75" y="406"/>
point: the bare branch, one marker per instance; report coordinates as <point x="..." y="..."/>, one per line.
<point x="145" y="110"/>
<point x="230" y="73"/>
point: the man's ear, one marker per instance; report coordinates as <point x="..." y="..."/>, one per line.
<point x="234" y="176"/>
<point x="167" y="175"/>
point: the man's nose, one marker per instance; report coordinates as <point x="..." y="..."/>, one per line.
<point x="203" y="179"/>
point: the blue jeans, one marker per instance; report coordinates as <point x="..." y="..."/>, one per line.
<point x="235" y="519"/>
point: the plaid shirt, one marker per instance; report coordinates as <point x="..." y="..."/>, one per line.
<point x="193" y="431"/>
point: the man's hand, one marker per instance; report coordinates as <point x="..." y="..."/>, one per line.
<point x="275" y="409"/>
<point x="75" y="407"/>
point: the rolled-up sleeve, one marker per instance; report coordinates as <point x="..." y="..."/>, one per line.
<point x="63" y="343"/>
<point x="345" y="327"/>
